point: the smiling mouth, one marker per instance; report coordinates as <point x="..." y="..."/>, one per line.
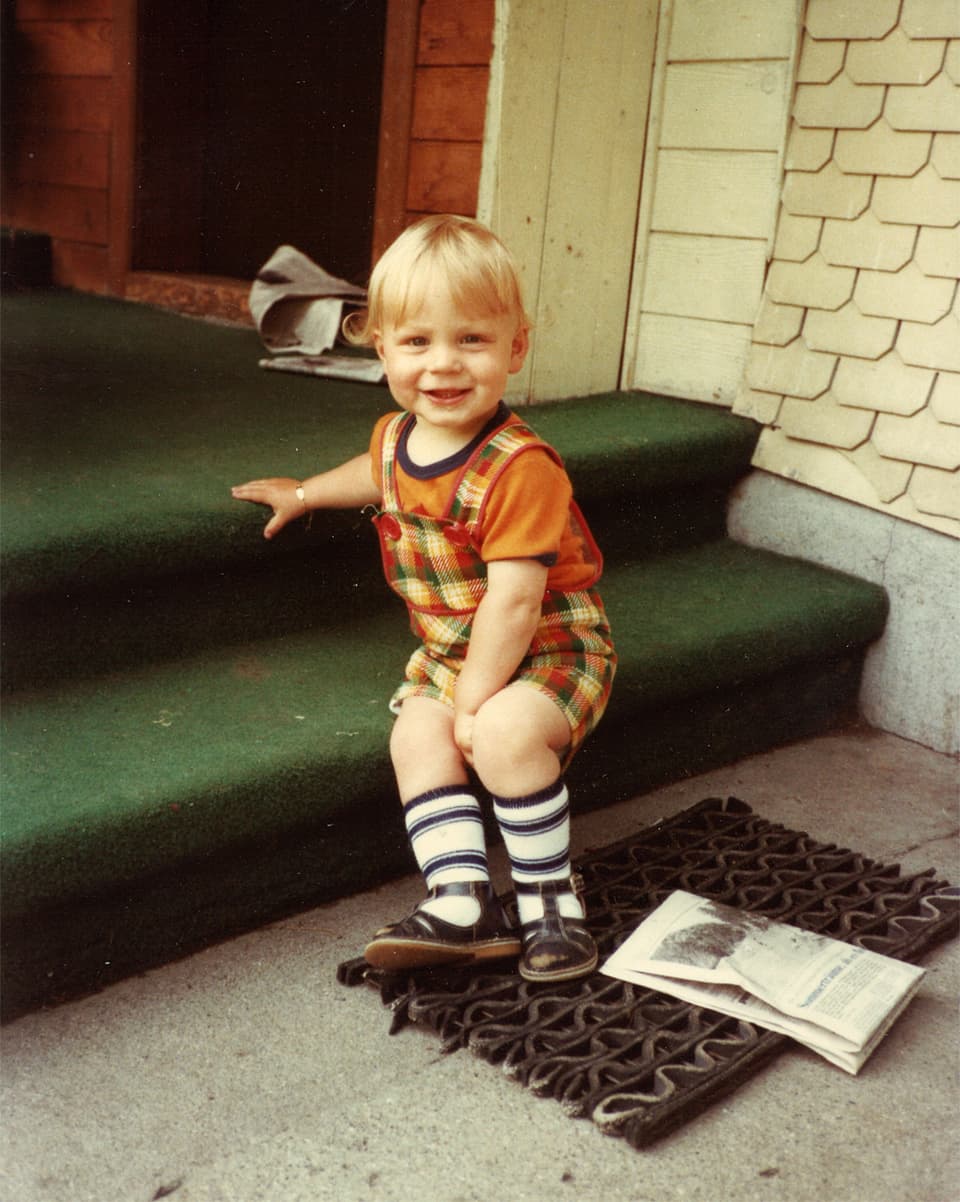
<point x="447" y="395"/>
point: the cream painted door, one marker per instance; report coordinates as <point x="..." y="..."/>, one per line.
<point x="564" y="152"/>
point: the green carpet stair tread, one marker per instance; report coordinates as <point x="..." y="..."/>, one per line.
<point x="125" y="427"/>
<point x="120" y="776"/>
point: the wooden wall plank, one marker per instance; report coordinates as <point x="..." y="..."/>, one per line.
<point x="65" y="48"/>
<point x="447" y="105"/>
<point x="730" y="106"/>
<point x="690" y="357"/>
<point x="450" y="103"/>
<point x="56" y="102"/>
<point x="730" y="193"/>
<point x="732" y="29"/>
<point x="123" y="92"/>
<point x="456" y="32"/>
<point x="516" y="158"/>
<point x="80" y="265"/>
<point x="62" y="157"/>
<point x="74" y="214"/>
<point x="62" y="10"/>
<point x="396" y="108"/>
<point x="648" y="191"/>
<point x="444" y="177"/>
<point x="594" y="190"/>
<point x="711" y="193"/>
<point x="564" y="199"/>
<point x="695" y="276"/>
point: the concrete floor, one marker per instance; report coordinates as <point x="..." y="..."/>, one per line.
<point x="247" y="1073"/>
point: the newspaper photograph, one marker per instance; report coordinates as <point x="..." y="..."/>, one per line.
<point x="837" y="999"/>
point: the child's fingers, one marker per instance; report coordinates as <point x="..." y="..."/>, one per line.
<point x="267" y="492"/>
<point x="255" y="490"/>
<point x="463" y="737"/>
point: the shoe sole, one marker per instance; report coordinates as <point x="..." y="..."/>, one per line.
<point x="422" y="953"/>
<point x="561" y="974"/>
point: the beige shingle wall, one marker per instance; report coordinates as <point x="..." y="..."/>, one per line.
<point x="854" y="364"/>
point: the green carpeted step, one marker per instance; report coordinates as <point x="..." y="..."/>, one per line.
<point x="125" y="426"/>
<point x="124" y="429"/>
<point x="151" y="811"/>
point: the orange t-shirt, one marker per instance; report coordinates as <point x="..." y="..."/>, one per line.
<point x="526" y="516"/>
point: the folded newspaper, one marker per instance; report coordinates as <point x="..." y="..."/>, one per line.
<point x="297" y="307"/>
<point x="837" y="999"/>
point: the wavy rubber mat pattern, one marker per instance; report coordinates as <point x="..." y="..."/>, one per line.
<point x="636" y="1062"/>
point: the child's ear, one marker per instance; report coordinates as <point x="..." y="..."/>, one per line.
<point x="378" y="343"/>
<point x="519" y="348"/>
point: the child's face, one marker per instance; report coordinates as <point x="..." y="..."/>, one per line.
<point x="450" y="367"/>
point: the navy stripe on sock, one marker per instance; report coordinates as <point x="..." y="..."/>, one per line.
<point x="437" y="795"/>
<point x="535" y="826"/>
<point x="542" y="867"/>
<point x="518" y="803"/>
<point x="461" y="814"/>
<point x="455" y="859"/>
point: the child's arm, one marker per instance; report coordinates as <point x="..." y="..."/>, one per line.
<point x="500" y="637"/>
<point x="345" y="487"/>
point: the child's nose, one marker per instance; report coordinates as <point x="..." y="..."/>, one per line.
<point x="445" y="356"/>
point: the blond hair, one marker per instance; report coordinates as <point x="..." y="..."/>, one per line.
<point x="471" y="260"/>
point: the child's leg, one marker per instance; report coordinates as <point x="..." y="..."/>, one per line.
<point x="462" y="917"/>
<point x="441" y="812"/>
<point x="518" y="737"/>
<point x="422" y="748"/>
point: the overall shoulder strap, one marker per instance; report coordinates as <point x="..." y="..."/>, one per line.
<point x="486" y="464"/>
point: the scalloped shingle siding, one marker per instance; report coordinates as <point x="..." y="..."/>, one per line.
<point x="854" y="366"/>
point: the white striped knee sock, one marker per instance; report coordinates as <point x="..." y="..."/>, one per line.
<point x="536" y="832"/>
<point x="445" y="827"/>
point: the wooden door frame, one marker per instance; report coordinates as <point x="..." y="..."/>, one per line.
<point x="396" y="117"/>
<point x="390" y="203"/>
<point x="123" y="149"/>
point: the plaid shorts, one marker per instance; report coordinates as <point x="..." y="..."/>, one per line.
<point x="571" y="660"/>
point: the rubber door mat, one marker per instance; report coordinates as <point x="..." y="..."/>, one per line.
<point x="637" y="1062"/>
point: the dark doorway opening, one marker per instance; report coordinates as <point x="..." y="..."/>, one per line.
<point x="257" y="124"/>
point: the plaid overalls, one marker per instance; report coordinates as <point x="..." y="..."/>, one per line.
<point x="436" y="567"/>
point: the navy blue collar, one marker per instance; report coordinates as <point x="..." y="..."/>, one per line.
<point x="429" y="471"/>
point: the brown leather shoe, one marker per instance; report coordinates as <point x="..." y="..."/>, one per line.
<point x="555" y="948"/>
<point x="421" y="940"/>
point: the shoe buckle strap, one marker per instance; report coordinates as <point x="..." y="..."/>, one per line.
<point x="574" y="883"/>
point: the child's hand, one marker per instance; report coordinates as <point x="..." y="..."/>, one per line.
<point x="280" y="493"/>
<point x="463" y="735"/>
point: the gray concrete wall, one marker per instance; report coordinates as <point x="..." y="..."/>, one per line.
<point x="911" y="683"/>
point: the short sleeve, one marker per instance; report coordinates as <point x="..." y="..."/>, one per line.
<point x="376" y="439"/>
<point x="527" y="511"/>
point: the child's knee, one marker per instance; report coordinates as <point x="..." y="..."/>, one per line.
<point x="423" y="729"/>
<point x="518" y="722"/>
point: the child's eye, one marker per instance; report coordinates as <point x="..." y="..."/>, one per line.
<point x="416" y="340"/>
<point x="472" y="339"/>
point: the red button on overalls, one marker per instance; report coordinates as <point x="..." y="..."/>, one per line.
<point x="457" y="534"/>
<point x="390" y="527"/>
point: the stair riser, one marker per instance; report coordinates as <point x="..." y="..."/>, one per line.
<point x="99" y="626"/>
<point x="54" y="638"/>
